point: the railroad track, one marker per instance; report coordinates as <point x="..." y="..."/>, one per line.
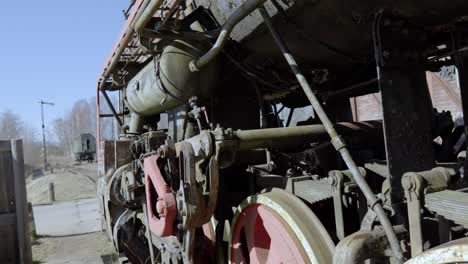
<point x="80" y="171"/>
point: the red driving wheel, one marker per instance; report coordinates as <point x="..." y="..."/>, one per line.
<point x="277" y="227"/>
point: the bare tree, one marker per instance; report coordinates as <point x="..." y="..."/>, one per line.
<point x="11" y="125"/>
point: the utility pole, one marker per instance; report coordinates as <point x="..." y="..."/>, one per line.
<point x="44" y="147"/>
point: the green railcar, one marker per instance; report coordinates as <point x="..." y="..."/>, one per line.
<point x="84" y="147"/>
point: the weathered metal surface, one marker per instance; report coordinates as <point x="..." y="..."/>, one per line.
<point x="120" y="45"/>
<point x="311" y="25"/>
<point x="332" y="41"/>
<point x="338" y="180"/>
<point x="105" y="157"/>
<point x="335" y="138"/>
<point x="166" y="82"/>
<point x="112" y="205"/>
<point x="161" y="220"/>
<point x="238" y="15"/>
<point x="461" y="63"/>
<point x="452" y="205"/>
<point x="363" y="245"/>
<point x="84" y="144"/>
<point x="413" y="186"/>
<point x="416" y="185"/>
<point x="310" y="190"/>
<point x="338" y="33"/>
<point x="113" y="155"/>
<point x="275" y="137"/>
<point x="406" y="105"/>
<point x="378" y="168"/>
<point x="452" y="252"/>
<point x="297" y="236"/>
<point x="305" y="187"/>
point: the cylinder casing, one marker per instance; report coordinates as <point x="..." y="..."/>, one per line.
<point x="166" y="82"/>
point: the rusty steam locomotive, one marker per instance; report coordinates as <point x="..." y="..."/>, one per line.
<point x="238" y="142"/>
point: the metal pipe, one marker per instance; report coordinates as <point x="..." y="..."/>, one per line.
<point x="111" y="106"/>
<point x="146" y="16"/>
<point x="337" y="141"/>
<point x="351" y="89"/>
<point x="293" y="136"/>
<point x="244" y="10"/>
<point x="110" y="115"/>
<point x="136" y="123"/>
<point x="125" y="38"/>
<point x="290" y="115"/>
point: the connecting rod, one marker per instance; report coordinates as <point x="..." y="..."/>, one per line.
<point x="336" y="140"/>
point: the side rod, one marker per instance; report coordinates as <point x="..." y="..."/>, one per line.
<point x="336" y="140"/>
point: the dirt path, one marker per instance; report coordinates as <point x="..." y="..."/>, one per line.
<point x="71" y="182"/>
<point x="68" y="186"/>
<point x="74" y="249"/>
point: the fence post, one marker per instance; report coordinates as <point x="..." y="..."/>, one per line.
<point x="22" y="214"/>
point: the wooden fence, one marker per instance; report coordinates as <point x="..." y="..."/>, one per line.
<point x="15" y="236"/>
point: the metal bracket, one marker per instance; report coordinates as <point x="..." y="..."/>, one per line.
<point x="416" y="185"/>
<point x="406" y="101"/>
<point x="341" y="182"/>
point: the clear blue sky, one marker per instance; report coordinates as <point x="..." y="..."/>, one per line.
<point x="54" y="50"/>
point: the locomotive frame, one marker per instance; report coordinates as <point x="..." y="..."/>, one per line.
<point x="206" y="171"/>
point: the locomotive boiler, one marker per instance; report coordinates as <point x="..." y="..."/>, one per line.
<point x="238" y="141"/>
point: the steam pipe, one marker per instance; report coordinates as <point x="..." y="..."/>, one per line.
<point x="244" y="10"/>
<point x="337" y="141"/>
<point x="290" y="136"/>
<point x="147" y="14"/>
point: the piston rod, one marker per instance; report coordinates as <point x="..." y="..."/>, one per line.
<point x="337" y="141"/>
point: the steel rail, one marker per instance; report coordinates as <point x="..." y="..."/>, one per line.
<point x="337" y="141"/>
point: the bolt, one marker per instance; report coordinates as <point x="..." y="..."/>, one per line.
<point x="161" y="208"/>
<point x="331" y="180"/>
<point x="161" y="152"/>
